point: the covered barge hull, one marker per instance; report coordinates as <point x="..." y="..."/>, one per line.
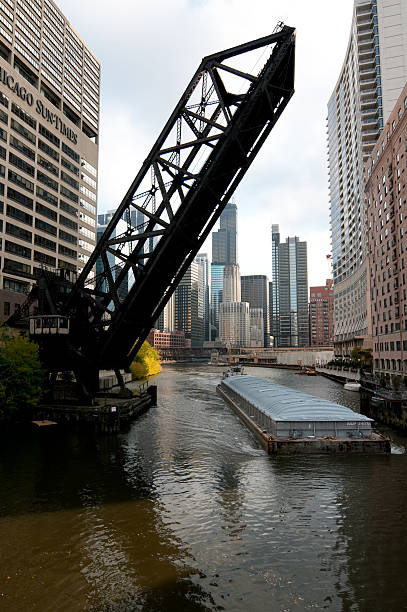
<point x="374" y="444"/>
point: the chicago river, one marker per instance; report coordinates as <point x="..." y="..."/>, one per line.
<point x="186" y="512"/>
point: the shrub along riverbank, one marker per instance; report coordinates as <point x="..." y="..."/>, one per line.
<point x="23" y="382"/>
<point x="146" y="362"/>
<point x="21" y="376"/>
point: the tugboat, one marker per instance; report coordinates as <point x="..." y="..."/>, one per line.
<point x="308" y="372"/>
<point x="233" y="370"/>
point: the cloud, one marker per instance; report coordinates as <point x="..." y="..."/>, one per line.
<point x="150" y="50"/>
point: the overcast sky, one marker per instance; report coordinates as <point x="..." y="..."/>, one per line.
<point x="149" y="50"/>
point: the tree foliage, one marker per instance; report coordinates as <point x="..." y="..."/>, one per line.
<point x="146" y="362"/>
<point x="361" y="356"/>
<point x="21" y="375"/>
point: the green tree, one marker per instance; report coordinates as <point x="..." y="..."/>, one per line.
<point x="361" y="357"/>
<point x="146" y="362"/>
<point x="21" y="376"/>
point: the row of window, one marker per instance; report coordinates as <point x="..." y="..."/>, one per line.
<point x="28" y="202"/>
<point x="10" y="266"/>
<point x="26" y="253"/>
<point x="53" y="77"/>
<point x="22" y="130"/>
<point x="27" y="236"/>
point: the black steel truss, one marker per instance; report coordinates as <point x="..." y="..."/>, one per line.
<point x="190" y="174"/>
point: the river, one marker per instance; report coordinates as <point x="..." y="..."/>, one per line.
<point x="186" y="512"/>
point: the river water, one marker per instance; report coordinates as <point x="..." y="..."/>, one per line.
<point x="186" y="512"/>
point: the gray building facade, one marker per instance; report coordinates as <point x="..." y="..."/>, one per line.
<point x="203" y="261"/>
<point x="188" y="307"/>
<point x="224" y="241"/>
<point x="224" y="253"/>
<point x="290" y="292"/>
<point x="255" y="291"/>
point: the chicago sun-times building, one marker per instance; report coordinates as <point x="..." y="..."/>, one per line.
<point x="49" y="117"/>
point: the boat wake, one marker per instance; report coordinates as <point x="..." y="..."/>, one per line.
<point x="395" y="449"/>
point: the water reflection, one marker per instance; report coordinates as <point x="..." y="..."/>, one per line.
<point x="80" y="529"/>
<point x="187" y="512"/>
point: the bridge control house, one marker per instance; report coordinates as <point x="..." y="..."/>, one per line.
<point x="49" y="120"/>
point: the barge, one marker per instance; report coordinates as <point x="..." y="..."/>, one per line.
<point x="287" y="421"/>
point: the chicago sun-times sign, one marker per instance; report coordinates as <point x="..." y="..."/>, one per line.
<point x="9" y="81"/>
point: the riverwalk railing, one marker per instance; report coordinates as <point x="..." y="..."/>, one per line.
<point x="344" y="373"/>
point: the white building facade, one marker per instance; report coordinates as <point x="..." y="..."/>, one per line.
<point x="234" y="324"/>
<point x="256" y="327"/>
<point x="371" y="79"/>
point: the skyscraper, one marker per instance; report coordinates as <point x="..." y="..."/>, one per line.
<point x="234" y="324"/>
<point x="49" y="114"/>
<point x="274" y="295"/>
<point x="290" y="284"/>
<point x="202" y="259"/>
<point x="372" y="76"/>
<point x="231" y="284"/>
<point x="115" y="264"/>
<point x="386" y="212"/>
<point x="321" y="305"/>
<point x="224" y="252"/>
<point x="255" y="290"/>
<point x="256" y="327"/>
<point x="189" y="305"/>
<point x="103" y="221"/>
<point x="216" y="297"/>
<point x="224" y="241"/>
<point x="166" y="320"/>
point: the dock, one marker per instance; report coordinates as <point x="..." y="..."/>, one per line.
<point x="109" y="414"/>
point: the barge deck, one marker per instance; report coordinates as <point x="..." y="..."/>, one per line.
<point x="288" y="422"/>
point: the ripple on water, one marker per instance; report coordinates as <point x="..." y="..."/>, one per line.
<point x="187" y="512"/>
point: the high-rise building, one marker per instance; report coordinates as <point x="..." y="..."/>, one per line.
<point x="372" y="76"/>
<point x="256" y="327"/>
<point x="216" y="297"/>
<point x="49" y="116"/>
<point x="202" y="259"/>
<point x="271" y="313"/>
<point x="234" y="324"/>
<point x="166" y="320"/>
<point x="321" y="305"/>
<point x="231" y="283"/>
<point x="224" y="241"/>
<point x="255" y="290"/>
<point x="274" y="294"/>
<point x="386" y="215"/>
<point x="290" y="284"/>
<point x="189" y="305"/>
<point x="103" y="220"/>
<point x="224" y="252"/>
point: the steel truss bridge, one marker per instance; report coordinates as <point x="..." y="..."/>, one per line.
<point x="211" y="138"/>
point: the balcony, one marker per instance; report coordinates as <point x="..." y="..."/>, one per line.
<point x="369" y="92"/>
<point x="365" y="23"/>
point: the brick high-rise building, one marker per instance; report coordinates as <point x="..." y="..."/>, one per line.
<point x="386" y="219"/>
<point x="321" y="306"/>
